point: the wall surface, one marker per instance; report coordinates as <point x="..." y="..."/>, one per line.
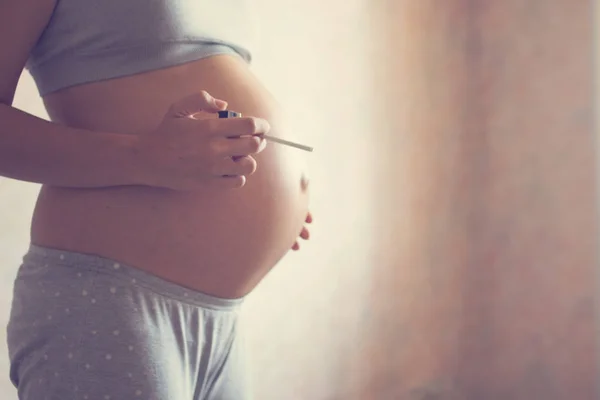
<point x="487" y="286"/>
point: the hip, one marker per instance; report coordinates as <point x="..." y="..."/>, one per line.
<point x="101" y="320"/>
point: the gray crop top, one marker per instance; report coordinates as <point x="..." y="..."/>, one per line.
<point x="92" y="40"/>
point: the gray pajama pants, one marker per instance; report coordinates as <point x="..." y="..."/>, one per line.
<point x="88" y="328"/>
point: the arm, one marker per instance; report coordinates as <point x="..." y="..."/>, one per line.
<point x="35" y="150"/>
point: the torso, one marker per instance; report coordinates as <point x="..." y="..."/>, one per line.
<point x="218" y="242"/>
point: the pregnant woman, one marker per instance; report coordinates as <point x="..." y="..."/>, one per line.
<point x="155" y="217"/>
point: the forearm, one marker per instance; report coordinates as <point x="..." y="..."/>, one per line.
<point x="38" y="151"/>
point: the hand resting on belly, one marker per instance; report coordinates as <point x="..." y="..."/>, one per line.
<point x="184" y="153"/>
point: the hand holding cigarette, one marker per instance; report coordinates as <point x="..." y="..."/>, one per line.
<point x="233" y="114"/>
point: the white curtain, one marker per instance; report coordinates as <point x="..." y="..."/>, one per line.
<point x="485" y="283"/>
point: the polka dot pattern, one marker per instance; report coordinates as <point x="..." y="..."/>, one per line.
<point x="107" y="325"/>
<point x="76" y="359"/>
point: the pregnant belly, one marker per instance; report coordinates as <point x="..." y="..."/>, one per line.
<point x="219" y="242"/>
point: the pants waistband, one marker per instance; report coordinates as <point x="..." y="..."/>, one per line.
<point x="93" y="263"/>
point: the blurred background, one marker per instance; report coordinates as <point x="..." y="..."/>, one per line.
<point x="454" y="187"/>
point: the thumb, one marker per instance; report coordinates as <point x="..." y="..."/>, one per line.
<point x="195" y="103"/>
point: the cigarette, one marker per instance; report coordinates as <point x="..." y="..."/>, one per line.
<point x="288" y="143"/>
<point x="233" y="114"/>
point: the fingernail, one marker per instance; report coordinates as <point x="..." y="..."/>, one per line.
<point x="263" y="143"/>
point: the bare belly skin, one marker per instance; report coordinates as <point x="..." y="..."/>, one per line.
<point x="221" y="242"/>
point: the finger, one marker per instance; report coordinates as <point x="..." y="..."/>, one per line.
<point x="236" y="127"/>
<point x="192" y="104"/>
<point x="240" y="166"/>
<point x="305" y="234"/>
<point x="309" y="218"/>
<point x="296" y="246"/>
<point x="242" y="146"/>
